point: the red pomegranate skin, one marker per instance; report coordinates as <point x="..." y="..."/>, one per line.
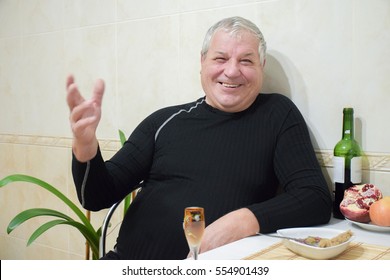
<point x="357" y="201"/>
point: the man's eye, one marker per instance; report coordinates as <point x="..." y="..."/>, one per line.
<point x="220" y="59"/>
<point x="246" y="61"/>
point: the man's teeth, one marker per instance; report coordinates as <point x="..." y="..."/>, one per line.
<point x="230" y="85"/>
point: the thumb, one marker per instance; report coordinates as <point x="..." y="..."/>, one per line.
<point x="98" y="92"/>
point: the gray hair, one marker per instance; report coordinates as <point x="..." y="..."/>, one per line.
<point x="235" y="25"/>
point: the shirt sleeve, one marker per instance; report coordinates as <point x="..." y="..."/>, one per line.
<point x="305" y="199"/>
<point x="101" y="183"/>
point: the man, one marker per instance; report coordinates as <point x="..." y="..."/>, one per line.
<point x="227" y="152"/>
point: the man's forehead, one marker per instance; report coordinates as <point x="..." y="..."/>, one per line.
<point x="247" y="44"/>
<point x="243" y="36"/>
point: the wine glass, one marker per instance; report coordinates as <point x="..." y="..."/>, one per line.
<point x="193" y="226"/>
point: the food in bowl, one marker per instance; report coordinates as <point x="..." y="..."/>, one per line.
<point x="316" y="252"/>
<point x="327" y="242"/>
<point x="380" y="212"/>
<point x="357" y="201"/>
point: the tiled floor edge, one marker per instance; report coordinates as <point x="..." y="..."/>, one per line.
<point x="371" y="161"/>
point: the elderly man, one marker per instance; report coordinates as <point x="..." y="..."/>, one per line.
<point x="227" y="152"/>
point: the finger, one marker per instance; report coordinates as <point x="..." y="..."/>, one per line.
<point x="98" y="92"/>
<point x="86" y="109"/>
<point x="74" y="97"/>
<point x="69" y="80"/>
<point x="84" y="119"/>
<point x="84" y="127"/>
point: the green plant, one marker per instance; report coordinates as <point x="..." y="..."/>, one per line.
<point x="83" y="225"/>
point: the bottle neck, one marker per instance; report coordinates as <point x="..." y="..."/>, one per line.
<point x="348" y="124"/>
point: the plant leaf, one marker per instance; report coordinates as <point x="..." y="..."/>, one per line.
<point x="91" y="236"/>
<point x="26" y="178"/>
<point x="122" y="137"/>
<point x="42" y="229"/>
<point x="34" y="212"/>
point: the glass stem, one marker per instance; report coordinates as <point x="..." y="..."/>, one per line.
<point x="195" y="252"/>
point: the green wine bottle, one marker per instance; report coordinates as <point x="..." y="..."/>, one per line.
<point x="347" y="162"/>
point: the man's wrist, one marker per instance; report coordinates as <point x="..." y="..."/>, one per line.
<point x="83" y="152"/>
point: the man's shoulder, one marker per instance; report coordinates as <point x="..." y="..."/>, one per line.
<point x="185" y="106"/>
<point x="275" y="100"/>
<point x="170" y="110"/>
<point x="274" y="97"/>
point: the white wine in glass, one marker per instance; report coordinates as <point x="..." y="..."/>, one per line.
<point x="194" y="225"/>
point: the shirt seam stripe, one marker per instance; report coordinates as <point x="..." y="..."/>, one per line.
<point x="85" y="183"/>
<point x="174" y="115"/>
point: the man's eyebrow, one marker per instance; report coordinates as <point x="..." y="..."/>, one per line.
<point x="245" y="55"/>
<point x="220" y="52"/>
<point x="249" y="54"/>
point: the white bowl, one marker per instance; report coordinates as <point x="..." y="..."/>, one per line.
<point x="312" y="252"/>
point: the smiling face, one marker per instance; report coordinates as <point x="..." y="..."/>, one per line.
<point x="232" y="74"/>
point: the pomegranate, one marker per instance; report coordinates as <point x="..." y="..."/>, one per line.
<point x="357" y="201"/>
<point x="380" y="212"/>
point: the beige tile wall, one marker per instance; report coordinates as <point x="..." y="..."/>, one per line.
<point x="323" y="54"/>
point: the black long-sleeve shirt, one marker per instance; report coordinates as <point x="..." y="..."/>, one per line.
<point x="196" y="155"/>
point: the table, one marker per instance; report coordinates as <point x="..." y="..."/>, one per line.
<point x="250" y="245"/>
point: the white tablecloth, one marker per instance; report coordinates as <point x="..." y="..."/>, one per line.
<point x="250" y="245"/>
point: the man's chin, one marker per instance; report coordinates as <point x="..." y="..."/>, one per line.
<point x="228" y="106"/>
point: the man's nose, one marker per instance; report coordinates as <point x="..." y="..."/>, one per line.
<point x="232" y="69"/>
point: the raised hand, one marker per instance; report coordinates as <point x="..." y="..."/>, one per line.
<point x="84" y="118"/>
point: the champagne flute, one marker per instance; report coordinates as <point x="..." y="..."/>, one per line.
<point x="193" y="226"/>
